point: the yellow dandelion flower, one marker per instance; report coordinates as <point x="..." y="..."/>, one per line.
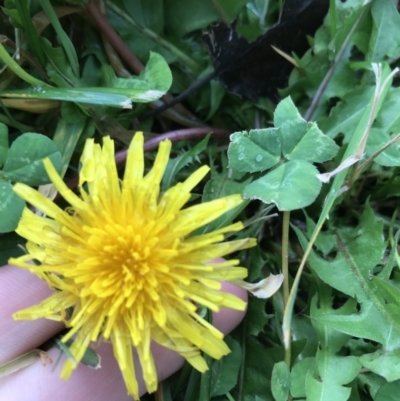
<point x="122" y="260"/>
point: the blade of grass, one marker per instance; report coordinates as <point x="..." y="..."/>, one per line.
<point x="64" y="39"/>
<point x="22" y="362"/>
<point x="101" y="96"/>
<point x="32" y="105"/>
<point x="17" y="70"/>
<point x="66" y="137"/>
<point x="8" y="119"/>
<point x="32" y="36"/>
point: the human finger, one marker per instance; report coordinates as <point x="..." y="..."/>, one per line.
<point x="20" y="289"/>
<point x="38" y="382"/>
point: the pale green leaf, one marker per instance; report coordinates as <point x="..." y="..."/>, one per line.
<point x="377" y="139"/>
<point x="291" y="186"/>
<point x="280" y="381"/>
<point x="318" y="391"/>
<point x="385" y="37"/>
<point x="11" y="207"/>
<point x="388" y="392"/>
<point x="298" y="376"/>
<point x="25" y="159"/>
<point x="301" y="140"/>
<point x="257" y="150"/>
<point x="151" y="84"/>
<point x="224" y="372"/>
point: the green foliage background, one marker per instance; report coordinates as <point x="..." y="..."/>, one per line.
<point x="333" y="333"/>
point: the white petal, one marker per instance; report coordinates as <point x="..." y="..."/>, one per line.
<point x="264" y="288"/>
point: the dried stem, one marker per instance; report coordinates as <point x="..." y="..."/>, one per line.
<point x="115" y="40"/>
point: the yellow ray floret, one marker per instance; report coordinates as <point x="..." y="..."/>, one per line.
<point x="122" y="260"/>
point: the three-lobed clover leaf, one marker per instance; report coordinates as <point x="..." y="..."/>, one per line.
<point x="294" y="145"/>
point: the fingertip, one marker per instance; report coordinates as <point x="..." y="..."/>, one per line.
<point x="20" y="289"/>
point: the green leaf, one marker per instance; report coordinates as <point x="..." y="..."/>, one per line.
<point x="224" y="372"/>
<point x="178" y="163"/>
<point x="58" y="67"/>
<point x="384" y="363"/>
<point x="10" y="9"/>
<point x="150" y="16"/>
<point x="151" y="84"/>
<point x="258" y="362"/>
<point x="388" y="120"/>
<point x="333" y="371"/>
<point x="32" y="36"/>
<point x="318" y="391"/>
<point x="301" y="140"/>
<point x="62" y="36"/>
<point x="291" y="186"/>
<point x="66" y="137"/>
<point x="314" y="146"/>
<point x="280" y="381"/>
<point x="360" y="250"/>
<point x="257" y="150"/>
<point x="377" y="139"/>
<point x="157" y="74"/>
<point x="346" y="115"/>
<point x="389" y="289"/>
<point x="101" y="96"/>
<point x="371" y="381"/>
<point x="388" y="392"/>
<point x="286" y="114"/>
<point x="324" y="241"/>
<point x="3" y="143"/>
<point x="11" y="207"/>
<point x="298" y="376"/>
<point x="25" y="159"/>
<point x="220" y="185"/>
<point x="256" y="316"/>
<point x="385" y="37"/>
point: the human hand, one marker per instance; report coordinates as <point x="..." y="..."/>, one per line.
<point x="20" y="289"/>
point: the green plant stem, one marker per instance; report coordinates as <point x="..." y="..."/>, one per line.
<point x="185" y="59"/>
<point x="21" y="362"/>
<point x="285" y="271"/>
<point x="17" y="70"/>
<point x="115" y="40"/>
<point x="22" y="127"/>
<point x="285" y="255"/>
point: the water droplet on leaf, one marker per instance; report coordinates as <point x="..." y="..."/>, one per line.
<point x="259" y="158"/>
